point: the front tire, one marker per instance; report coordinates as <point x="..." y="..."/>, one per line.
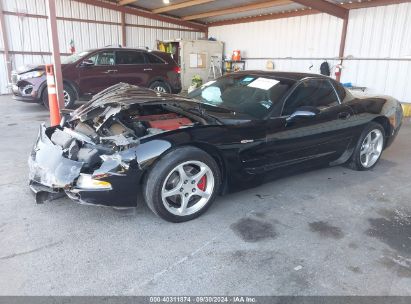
<point x="182" y="185"/>
<point x="369" y="148"/>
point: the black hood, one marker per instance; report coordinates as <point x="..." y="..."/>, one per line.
<point x="30" y="67"/>
<point x="33" y="67"/>
<point x="125" y="95"/>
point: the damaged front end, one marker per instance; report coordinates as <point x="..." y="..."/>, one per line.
<point x="98" y="155"/>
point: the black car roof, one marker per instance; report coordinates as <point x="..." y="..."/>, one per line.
<point x="286" y="75"/>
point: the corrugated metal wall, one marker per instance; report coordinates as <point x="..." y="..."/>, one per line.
<point x="312" y="36"/>
<point x="25" y="33"/>
<point x="30" y="34"/>
<point x="3" y="70"/>
<point x="381" y="32"/>
<point x="86" y="35"/>
<point x="146" y="37"/>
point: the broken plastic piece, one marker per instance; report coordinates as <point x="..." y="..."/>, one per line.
<point x="43" y="196"/>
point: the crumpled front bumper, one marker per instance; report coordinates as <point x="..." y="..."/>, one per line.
<point x="51" y="174"/>
<point x="48" y="167"/>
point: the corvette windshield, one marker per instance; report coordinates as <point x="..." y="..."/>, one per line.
<point x="249" y="94"/>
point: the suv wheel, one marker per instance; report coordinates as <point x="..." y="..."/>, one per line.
<point x="160" y="86"/>
<point x="69" y="95"/>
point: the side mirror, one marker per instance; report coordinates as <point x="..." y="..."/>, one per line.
<point x="87" y="63"/>
<point x="303" y="112"/>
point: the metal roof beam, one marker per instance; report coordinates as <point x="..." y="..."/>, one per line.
<point x="238" y="9"/>
<point x="145" y="14"/>
<point x="265" y="17"/>
<point x="125" y="2"/>
<point x="325" y="7"/>
<point x="177" y="6"/>
<point x="374" y="3"/>
<point x="349" y="6"/>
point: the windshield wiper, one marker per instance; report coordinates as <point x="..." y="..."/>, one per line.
<point x="200" y="110"/>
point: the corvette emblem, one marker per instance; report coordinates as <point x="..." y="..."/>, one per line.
<point x="246" y="141"/>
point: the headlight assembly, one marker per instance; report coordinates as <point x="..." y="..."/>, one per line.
<point x="29" y="75"/>
<point x="86" y="182"/>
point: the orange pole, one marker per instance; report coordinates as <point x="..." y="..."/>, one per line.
<point x="55" y="50"/>
<point x="53" y="102"/>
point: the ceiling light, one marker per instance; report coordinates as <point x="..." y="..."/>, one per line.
<point x="166" y="1"/>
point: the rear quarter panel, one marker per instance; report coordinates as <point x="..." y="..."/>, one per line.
<point x="383" y="109"/>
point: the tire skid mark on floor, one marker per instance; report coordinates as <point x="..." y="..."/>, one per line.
<point x="170" y="267"/>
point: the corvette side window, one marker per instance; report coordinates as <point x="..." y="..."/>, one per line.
<point x="342" y="92"/>
<point x="316" y="93"/>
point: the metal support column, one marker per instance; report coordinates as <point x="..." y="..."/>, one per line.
<point x="123" y="30"/>
<point x="5" y="40"/>
<point x="342" y="44"/>
<point x="55" y="50"/>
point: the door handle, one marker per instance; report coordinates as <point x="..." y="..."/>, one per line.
<point x="148" y="69"/>
<point x="110" y="71"/>
<point x="344" y="115"/>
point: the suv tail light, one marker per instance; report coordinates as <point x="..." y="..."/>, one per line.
<point x="177" y="69"/>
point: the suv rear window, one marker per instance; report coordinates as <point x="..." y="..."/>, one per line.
<point x="153" y="59"/>
<point x="130" y="57"/>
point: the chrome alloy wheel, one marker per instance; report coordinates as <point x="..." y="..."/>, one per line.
<point x="371" y="148"/>
<point x="160" y="89"/>
<point x="67" y="98"/>
<point x="187" y="188"/>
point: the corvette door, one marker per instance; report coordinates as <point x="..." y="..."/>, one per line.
<point x="314" y="126"/>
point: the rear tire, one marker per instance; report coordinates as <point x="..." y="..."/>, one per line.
<point x="369" y="148"/>
<point x="182" y="185"/>
<point x="69" y="94"/>
<point x="160" y="86"/>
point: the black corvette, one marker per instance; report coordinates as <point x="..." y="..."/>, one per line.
<point x="229" y="134"/>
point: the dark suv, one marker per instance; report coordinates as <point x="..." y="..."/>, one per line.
<point x="89" y="72"/>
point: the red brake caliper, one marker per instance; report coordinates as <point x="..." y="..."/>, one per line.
<point x="202" y="183"/>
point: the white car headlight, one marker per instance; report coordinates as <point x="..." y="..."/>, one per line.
<point x="28" y="75"/>
<point x="86" y="182"/>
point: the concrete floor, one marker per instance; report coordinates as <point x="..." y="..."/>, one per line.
<point x="327" y="232"/>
